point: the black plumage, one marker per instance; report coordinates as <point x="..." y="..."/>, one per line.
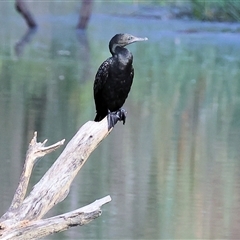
<point x="114" y="79"/>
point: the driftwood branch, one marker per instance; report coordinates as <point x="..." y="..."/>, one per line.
<point x="24" y="214"/>
<point x="35" y="151"/>
<point x="42" y="228"/>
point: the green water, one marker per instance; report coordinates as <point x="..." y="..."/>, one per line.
<point x="173" y="170"/>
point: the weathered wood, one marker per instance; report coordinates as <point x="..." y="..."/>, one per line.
<point x="55" y="184"/>
<point x="35" y="151"/>
<point x="42" y="228"/>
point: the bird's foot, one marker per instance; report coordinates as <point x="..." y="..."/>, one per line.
<point x="114" y="117"/>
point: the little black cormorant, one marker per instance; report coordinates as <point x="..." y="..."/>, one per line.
<point x="114" y="79"/>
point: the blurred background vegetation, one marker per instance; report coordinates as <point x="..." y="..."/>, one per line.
<point x="221" y="10"/>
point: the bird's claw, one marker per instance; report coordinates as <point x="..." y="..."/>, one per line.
<point x="114" y="117"/>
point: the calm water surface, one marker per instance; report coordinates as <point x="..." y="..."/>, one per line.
<point x="173" y="171"/>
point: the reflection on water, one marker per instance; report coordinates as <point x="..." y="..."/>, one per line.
<point x="27" y="37"/>
<point x="173" y="169"/>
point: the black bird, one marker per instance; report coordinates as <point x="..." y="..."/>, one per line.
<point x="114" y="79"/>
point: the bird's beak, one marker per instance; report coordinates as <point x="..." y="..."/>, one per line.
<point x="138" y="39"/>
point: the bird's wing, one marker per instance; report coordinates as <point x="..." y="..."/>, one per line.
<point x="132" y="74"/>
<point x="101" y="78"/>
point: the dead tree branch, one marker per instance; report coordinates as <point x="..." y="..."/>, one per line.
<point x="24" y="215"/>
<point x="35" y="151"/>
<point x="44" y="227"/>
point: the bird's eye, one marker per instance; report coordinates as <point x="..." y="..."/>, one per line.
<point x="129" y="38"/>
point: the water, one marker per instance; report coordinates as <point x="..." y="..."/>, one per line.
<point x="173" y="170"/>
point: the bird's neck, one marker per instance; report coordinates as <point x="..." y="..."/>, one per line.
<point x="123" y="55"/>
<point x="113" y="48"/>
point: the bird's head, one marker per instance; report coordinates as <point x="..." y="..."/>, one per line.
<point x="122" y="40"/>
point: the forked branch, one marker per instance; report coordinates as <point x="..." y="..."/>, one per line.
<point x="25" y="214"/>
<point x="35" y="151"/>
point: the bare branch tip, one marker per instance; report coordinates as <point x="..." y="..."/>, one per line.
<point x="109" y="198"/>
<point x="104" y="200"/>
<point x="34" y="139"/>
